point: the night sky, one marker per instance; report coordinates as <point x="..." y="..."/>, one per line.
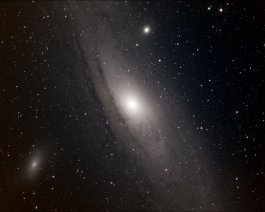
<point x="130" y="105"/>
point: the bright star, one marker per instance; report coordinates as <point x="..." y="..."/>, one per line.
<point x="146" y="29"/>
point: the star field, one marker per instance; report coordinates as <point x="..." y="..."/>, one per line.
<point x="132" y="105"/>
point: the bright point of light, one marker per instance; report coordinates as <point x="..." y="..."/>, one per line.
<point x="221" y="10"/>
<point x="146" y="30"/>
<point x="132" y="104"/>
